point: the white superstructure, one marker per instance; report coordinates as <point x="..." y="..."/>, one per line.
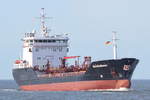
<point x="114" y="41"/>
<point x="41" y="48"/>
<point x="114" y="45"/>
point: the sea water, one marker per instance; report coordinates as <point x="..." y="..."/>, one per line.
<point x="140" y="90"/>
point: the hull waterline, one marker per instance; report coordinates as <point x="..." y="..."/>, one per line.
<point x="78" y="86"/>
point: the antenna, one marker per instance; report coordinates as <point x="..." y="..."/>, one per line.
<point x="43" y="26"/>
<point x="114" y="44"/>
<point x="42" y="18"/>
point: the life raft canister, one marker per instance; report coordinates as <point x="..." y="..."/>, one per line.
<point x="17" y="62"/>
<point x="126" y="67"/>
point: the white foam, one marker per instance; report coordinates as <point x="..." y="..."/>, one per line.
<point x="9" y="90"/>
<point x="111" y="90"/>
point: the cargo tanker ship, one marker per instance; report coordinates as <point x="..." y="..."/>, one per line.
<point x="44" y="66"/>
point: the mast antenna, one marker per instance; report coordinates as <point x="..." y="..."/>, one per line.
<point x="44" y="29"/>
<point x="114" y="44"/>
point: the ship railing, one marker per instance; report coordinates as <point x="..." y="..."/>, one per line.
<point x="19" y="66"/>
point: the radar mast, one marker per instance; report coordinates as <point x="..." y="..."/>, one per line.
<point x="114" y="44"/>
<point x="44" y="29"/>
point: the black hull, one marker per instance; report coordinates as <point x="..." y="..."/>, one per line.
<point x="98" y="70"/>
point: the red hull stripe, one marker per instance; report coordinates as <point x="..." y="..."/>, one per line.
<point x="71" y="57"/>
<point x="79" y="85"/>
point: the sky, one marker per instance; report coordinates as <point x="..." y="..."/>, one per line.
<point x="89" y="22"/>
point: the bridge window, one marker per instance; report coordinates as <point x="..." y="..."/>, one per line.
<point x="39" y="40"/>
<point x="49" y="41"/>
<point x="53" y="40"/>
<point x="31" y="40"/>
<point x="44" y="41"/>
<point x="35" y="40"/>
<point x="64" y="41"/>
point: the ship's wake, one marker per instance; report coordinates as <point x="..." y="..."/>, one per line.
<point x="9" y="90"/>
<point x="112" y="90"/>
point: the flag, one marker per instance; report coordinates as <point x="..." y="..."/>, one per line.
<point x="108" y="42"/>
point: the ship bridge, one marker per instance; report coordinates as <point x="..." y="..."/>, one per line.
<point x="40" y="48"/>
